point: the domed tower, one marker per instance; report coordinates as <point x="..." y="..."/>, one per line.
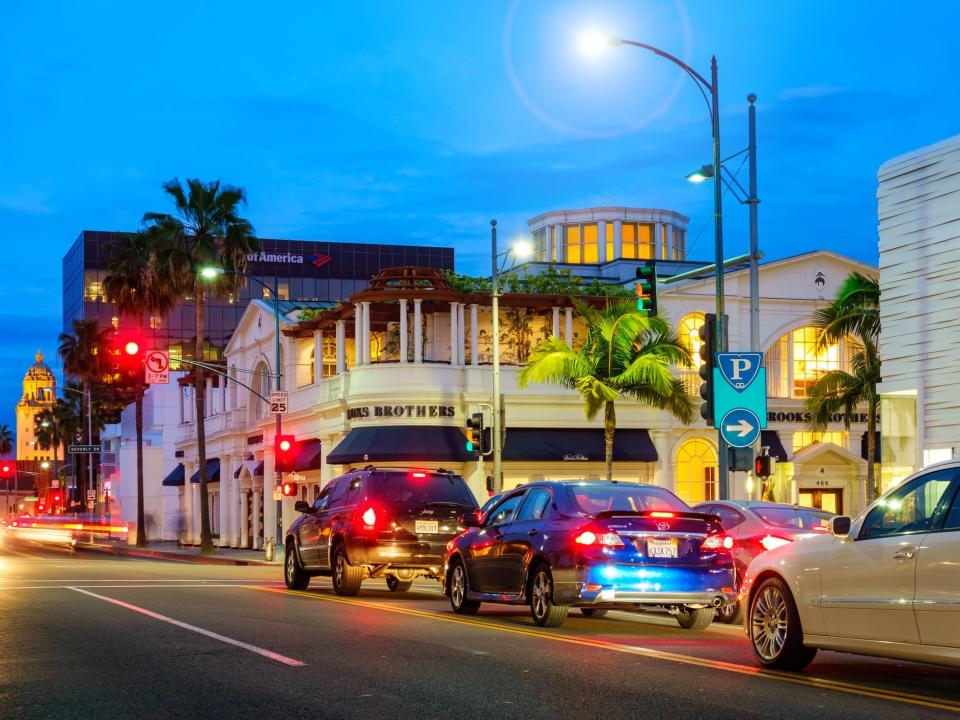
<point x="39" y="392"/>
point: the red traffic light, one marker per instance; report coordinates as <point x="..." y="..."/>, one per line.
<point x="56" y="497"/>
<point x="289" y="489"/>
<point x="8" y="469"/>
<point x="131" y="347"/>
<point x="284" y="447"/>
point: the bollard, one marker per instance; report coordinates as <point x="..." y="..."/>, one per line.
<point x="269" y="550"/>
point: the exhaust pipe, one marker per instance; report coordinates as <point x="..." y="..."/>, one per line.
<point x="717" y="601"/>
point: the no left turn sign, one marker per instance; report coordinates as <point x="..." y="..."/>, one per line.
<point x="157" y="367"/>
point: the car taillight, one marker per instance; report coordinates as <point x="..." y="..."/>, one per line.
<point x="772" y="543"/>
<point x="662" y="514"/>
<point x="418" y="475"/>
<point x="602" y="539"/>
<point x="369" y="518"/>
<point x="716" y="542"/>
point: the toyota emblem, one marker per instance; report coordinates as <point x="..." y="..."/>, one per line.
<point x="663" y="527"/>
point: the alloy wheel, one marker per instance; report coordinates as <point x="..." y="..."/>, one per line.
<point x="541" y="591"/>
<point x="457" y="589"/>
<point x="291" y="565"/>
<point x="338" y="570"/>
<point x="768" y="622"/>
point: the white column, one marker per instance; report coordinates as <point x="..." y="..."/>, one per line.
<point x="208" y="398"/>
<point x="195" y="499"/>
<point x="474" y="336"/>
<point x="242" y="515"/>
<point x="317" y="355"/>
<point x="341" y="346"/>
<point x="226" y="478"/>
<point x="366" y="333"/>
<point x="602" y="241"/>
<point x="568" y="328"/>
<point x="617" y="239"/>
<point x="235" y="502"/>
<point x="556" y="321"/>
<point x="417" y="332"/>
<point x="657" y="240"/>
<point x="358" y="335"/>
<point x="223" y="392"/>
<point x="256" y="503"/>
<point x="663" y="475"/>
<point x="403" y="331"/>
<point x="462" y="332"/>
<point x="454" y="332"/>
<point x="187" y="505"/>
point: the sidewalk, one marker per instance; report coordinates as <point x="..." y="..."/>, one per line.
<point x="173" y="551"/>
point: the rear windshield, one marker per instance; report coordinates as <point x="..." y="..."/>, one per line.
<point x="409" y="488"/>
<point x="799" y="519"/>
<point x="595" y="498"/>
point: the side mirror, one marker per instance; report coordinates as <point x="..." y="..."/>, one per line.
<point x="302" y="506"/>
<point x="840" y="526"/>
<point x="471" y="519"/>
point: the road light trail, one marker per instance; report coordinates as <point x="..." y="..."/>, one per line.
<point x="193" y="628"/>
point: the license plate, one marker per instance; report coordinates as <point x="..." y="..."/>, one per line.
<point x="662" y="548"/>
<point x="428" y="527"/>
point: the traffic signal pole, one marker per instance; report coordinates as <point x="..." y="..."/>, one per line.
<point x="278" y="476"/>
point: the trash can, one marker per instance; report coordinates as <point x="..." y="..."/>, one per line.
<point x="269" y="550"/>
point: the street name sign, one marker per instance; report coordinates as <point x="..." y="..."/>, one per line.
<point x="156" y="367"/>
<point x="91" y="494"/>
<point x="740" y="427"/>
<point x="83" y="449"/>
<point x="278" y="402"/>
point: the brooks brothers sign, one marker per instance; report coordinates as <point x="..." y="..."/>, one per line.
<point x="400" y="411"/>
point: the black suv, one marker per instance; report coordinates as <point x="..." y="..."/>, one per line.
<point x="376" y="523"/>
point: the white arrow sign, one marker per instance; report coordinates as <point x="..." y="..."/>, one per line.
<point x="742" y="428"/>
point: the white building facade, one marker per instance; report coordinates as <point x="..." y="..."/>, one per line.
<point x="919" y="222"/>
<point x="390" y="377"/>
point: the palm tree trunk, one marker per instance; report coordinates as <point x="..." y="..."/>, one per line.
<point x="200" y="391"/>
<point x="872" y="489"/>
<point x="609" y="428"/>
<point x="138" y="402"/>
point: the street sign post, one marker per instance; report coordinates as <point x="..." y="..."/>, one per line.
<point x="91" y="494"/>
<point x="156" y="367"/>
<point x="278" y="402"/>
<point x="83" y="449"/>
<point x="740" y="397"/>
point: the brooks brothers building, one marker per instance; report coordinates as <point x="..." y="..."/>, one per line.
<point x="390" y="376"/>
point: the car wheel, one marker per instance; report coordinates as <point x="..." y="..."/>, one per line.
<point x="395" y="584"/>
<point x="293" y="574"/>
<point x="697" y="619"/>
<point x="458" y="591"/>
<point x="346" y="577"/>
<point x="545" y="613"/>
<point x="731" y="614"/>
<point x="594" y="612"/>
<point x="775" y="631"/>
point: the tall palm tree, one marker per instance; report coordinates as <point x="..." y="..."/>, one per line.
<point x="6" y="439"/>
<point x="854" y="315"/>
<point x="625" y="353"/>
<point x="205" y="229"/>
<point x="83" y="352"/>
<point x="55" y="426"/>
<point x="133" y="286"/>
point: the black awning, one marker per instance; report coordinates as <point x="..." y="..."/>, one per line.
<point x="236" y="473"/>
<point x="258" y="470"/>
<point x="576" y="444"/>
<point x="876" y="446"/>
<point x="407" y="443"/>
<point x="771" y="439"/>
<point x="307" y="455"/>
<point x="176" y="476"/>
<point x="213" y="471"/>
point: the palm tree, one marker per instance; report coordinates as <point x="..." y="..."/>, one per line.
<point x="83" y="353"/>
<point x="854" y="314"/>
<point x="132" y="285"/>
<point x="6" y="439"/>
<point x="205" y="229"/>
<point x="625" y="353"/>
<point x="55" y="426"/>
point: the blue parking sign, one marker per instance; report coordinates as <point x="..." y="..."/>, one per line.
<point x="740" y="427"/>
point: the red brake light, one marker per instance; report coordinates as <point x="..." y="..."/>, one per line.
<point x="587" y="537"/>
<point x="662" y="514"/>
<point x="716" y="542"/>
<point x="603" y="539"/>
<point x="418" y="475"/>
<point x="369" y="517"/>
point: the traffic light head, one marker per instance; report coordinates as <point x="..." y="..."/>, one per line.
<point x="763" y="466"/>
<point x="285" y="447"/>
<point x="474" y="435"/>
<point x="8" y="469"/>
<point x="647" y="288"/>
<point x="131" y="348"/>
<point x="707" y="349"/>
<point x="289" y="489"/>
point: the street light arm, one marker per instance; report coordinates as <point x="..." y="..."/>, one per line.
<point x="702" y="83"/>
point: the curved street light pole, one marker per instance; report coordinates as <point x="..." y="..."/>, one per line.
<point x="711" y="94"/>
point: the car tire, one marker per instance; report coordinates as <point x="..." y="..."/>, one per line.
<point x="594" y="612"/>
<point x="545" y="613"/>
<point x="293" y="574"/>
<point x="695" y="619"/>
<point x="395" y="584"/>
<point x="731" y="614"/>
<point x="776" y="635"/>
<point x="346" y="577"/>
<point x="459" y="586"/>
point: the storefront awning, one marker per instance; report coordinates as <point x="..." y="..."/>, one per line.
<point x="576" y="444"/>
<point x="258" y="470"/>
<point x="213" y="471"/>
<point x="308" y="455"/>
<point x="771" y="439"/>
<point x="176" y="476"/>
<point x="405" y="443"/>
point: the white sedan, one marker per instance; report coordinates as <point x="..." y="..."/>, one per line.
<point x="887" y="583"/>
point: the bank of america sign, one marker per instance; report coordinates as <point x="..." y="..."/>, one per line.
<point x="317" y="259"/>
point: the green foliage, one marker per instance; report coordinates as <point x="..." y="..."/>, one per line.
<point x="551" y="281"/>
<point x="6" y="439"/>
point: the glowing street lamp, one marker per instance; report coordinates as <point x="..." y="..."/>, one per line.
<point x="593" y="42"/>
<point x="701" y="175"/>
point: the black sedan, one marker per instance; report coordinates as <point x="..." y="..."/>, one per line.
<point x="595" y="545"/>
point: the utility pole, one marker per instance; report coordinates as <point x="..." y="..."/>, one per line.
<point x="495" y="432"/>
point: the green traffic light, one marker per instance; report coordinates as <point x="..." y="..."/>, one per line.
<point x="469" y="446"/>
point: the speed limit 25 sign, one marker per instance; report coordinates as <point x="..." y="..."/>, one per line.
<point x="278" y="402"/>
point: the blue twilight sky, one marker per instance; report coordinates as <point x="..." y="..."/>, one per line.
<point x="417" y="122"/>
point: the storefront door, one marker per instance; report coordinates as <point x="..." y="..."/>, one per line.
<point x="827" y="500"/>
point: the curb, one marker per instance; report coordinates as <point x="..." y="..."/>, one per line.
<point x="164" y="555"/>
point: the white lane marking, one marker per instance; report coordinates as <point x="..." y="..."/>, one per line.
<point x="193" y="628"/>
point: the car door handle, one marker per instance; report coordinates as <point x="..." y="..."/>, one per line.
<point x="533" y="532"/>
<point x="908" y="554"/>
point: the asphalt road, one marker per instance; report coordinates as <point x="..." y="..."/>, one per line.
<point x="91" y="636"/>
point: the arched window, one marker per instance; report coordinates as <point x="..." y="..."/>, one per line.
<point x="696" y="471"/>
<point x="263" y="382"/>
<point x="794" y="364"/>
<point x="689" y="335"/>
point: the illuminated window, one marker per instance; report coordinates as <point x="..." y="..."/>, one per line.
<point x="329" y="356"/>
<point x="636" y="241"/>
<point x="540" y="244"/>
<point x="794" y="365"/>
<point x="590" y="248"/>
<point x="664" y="242"/>
<point x="115" y="322"/>
<point x="805" y="438"/>
<point x="574" y="244"/>
<point x="155" y="322"/>
<point x="609" y="240"/>
<point x="689" y="335"/>
<point x="696" y="471"/>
